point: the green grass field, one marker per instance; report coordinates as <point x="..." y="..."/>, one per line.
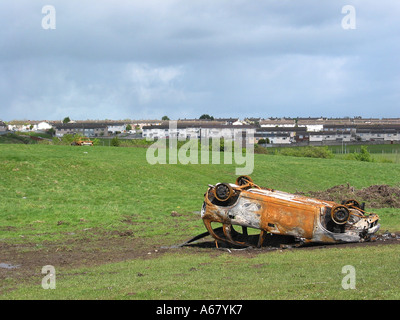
<point x="50" y="195"/>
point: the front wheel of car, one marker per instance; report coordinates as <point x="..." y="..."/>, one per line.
<point x="223" y="191"/>
<point x="340" y="214"/>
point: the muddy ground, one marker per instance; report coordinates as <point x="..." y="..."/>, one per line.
<point x="24" y="261"/>
<point x="27" y="259"/>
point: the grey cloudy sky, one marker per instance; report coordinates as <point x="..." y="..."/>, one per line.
<point x="183" y="58"/>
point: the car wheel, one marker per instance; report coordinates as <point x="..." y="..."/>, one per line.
<point x="223" y="191"/>
<point x="340" y="214"/>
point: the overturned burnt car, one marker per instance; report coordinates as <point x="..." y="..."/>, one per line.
<point x="275" y="212"/>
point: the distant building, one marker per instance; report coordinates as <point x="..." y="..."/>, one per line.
<point x="373" y="134"/>
<point x="18" y="126"/>
<point x="326" y="136"/>
<point x="116" y="127"/>
<point x="85" y="129"/>
<point x="200" y="130"/>
<point x="143" y="123"/>
<point x="3" y="126"/>
<point x="42" y="126"/>
<point x="282" y="135"/>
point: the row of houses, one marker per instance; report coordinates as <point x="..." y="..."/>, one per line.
<point x="331" y="134"/>
<point x="279" y="135"/>
<point x="89" y="129"/>
<point x="199" y="129"/>
<point x="92" y="127"/>
<point x="358" y="133"/>
<point x="287" y="131"/>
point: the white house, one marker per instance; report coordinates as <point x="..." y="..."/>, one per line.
<point x="392" y="136"/>
<point x="280" y="138"/>
<point x="116" y="127"/>
<point x="313" y="127"/>
<point x="19" y="127"/>
<point x="42" y="126"/>
<point x="316" y="137"/>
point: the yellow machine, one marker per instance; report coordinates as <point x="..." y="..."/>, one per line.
<point x="83" y="141"/>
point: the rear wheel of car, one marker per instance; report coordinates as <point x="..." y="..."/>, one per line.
<point x="352" y="203"/>
<point x="243" y="180"/>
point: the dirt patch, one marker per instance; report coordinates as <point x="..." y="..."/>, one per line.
<point x="27" y="259"/>
<point x="376" y="196"/>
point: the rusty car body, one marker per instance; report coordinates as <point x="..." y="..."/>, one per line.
<point x="276" y="212"/>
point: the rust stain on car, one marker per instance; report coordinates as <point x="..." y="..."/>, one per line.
<point x="248" y="205"/>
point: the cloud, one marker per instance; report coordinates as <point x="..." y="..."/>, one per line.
<point x="139" y="59"/>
